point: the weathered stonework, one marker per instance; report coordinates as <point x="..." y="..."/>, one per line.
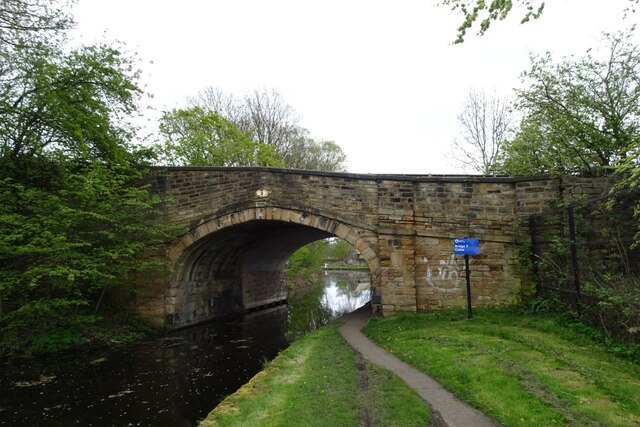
<point x="241" y="224"/>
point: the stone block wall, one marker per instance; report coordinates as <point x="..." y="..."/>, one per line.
<point x="403" y="226"/>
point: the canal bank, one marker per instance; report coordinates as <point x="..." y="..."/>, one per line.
<point x="337" y="376"/>
<point x="321" y="381"/>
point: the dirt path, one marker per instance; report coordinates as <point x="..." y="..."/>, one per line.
<point x="447" y="411"/>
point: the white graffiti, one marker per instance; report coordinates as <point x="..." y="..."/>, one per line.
<point x="448" y="278"/>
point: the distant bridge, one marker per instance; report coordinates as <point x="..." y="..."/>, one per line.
<point x="243" y="223"/>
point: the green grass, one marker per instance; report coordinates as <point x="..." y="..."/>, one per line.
<point x="320" y="381"/>
<point x="519" y="369"/>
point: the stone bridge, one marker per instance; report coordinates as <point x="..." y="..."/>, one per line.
<point x="241" y="224"/>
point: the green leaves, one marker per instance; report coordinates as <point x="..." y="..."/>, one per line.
<point x="474" y="10"/>
<point x="75" y="104"/>
<point x="581" y="115"/>
<point x="75" y="218"/>
<point x="196" y="137"/>
<point x="77" y="238"/>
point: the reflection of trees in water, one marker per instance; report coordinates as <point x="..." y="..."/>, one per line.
<point x="335" y="294"/>
<point x="306" y="313"/>
<point x="346" y="291"/>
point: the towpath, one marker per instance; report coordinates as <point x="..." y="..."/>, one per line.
<point x="446" y="409"/>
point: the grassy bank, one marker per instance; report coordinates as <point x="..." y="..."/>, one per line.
<point x="320" y="381"/>
<point x="519" y="369"/>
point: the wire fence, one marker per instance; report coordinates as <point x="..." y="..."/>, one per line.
<point x="585" y="259"/>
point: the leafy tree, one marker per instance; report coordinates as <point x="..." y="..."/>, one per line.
<point x="268" y="119"/>
<point x="72" y="231"/>
<point x="263" y="115"/>
<point x="195" y="137"/>
<point x="485" y="124"/>
<point x="66" y="103"/>
<point x="581" y="115"/>
<point x="306" y="153"/>
<point x="341" y="249"/>
<point x="307" y="260"/>
<point x="75" y="221"/>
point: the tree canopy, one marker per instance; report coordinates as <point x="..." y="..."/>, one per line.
<point x="75" y="219"/>
<point x="195" y="137"/>
<point x="581" y="115"/>
<point x="266" y="118"/>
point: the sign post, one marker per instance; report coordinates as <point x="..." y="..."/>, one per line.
<point x="467" y="246"/>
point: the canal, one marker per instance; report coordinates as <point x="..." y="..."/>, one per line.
<point x="172" y="381"/>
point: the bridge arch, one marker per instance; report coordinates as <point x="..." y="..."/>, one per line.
<point x="233" y="262"/>
<point x="403" y="226"/>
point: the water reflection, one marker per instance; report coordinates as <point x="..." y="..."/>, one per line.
<point x="174" y="381"/>
<point x="339" y="292"/>
<point x="345" y="292"/>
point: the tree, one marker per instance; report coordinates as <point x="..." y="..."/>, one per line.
<point x="262" y="114"/>
<point x="22" y="20"/>
<point x="268" y="119"/>
<point x="66" y="103"/>
<point x="485" y="124"/>
<point x="581" y="116"/>
<point x="489" y="11"/>
<point x="306" y="153"/>
<point x="75" y="219"/>
<point x="195" y="137"/>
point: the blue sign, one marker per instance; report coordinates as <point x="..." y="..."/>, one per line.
<point x="466" y="246"/>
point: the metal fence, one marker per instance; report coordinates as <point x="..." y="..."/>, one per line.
<point x="584" y="259"/>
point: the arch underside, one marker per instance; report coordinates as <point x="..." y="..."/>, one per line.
<point x="236" y="263"/>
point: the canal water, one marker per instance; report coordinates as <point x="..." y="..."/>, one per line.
<point x="173" y="381"/>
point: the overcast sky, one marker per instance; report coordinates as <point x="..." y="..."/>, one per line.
<point x="380" y="78"/>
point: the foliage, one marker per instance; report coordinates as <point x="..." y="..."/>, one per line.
<point x="486" y="125"/>
<point x="616" y="305"/>
<point x="195" y="137"/>
<point x="306" y="153"/>
<point x="67" y="104"/>
<point x="490" y="11"/>
<point x="76" y="239"/>
<point x="606" y="266"/>
<point x="75" y="218"/>
<point x="55" y="325"/>
<point x="340" y="249"/>
<point x="264" y="115"/>
<point x="22" y="21"/>
<point x="582" y="115"/>
<point x="267" y="119"/>
<point x="77" y="236"/>
<point x="520" y="369"/>
<point x="307" y="260"/>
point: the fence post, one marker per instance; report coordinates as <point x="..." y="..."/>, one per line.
<point x="574" y="256"/>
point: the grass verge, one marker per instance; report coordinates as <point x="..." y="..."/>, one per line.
<point x="320" y="381"/>
<point x="518" y="368"/>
